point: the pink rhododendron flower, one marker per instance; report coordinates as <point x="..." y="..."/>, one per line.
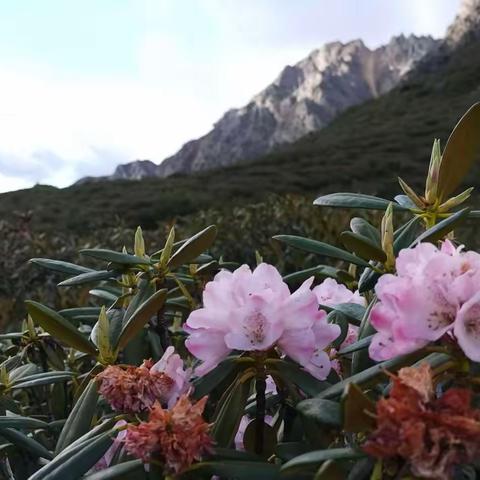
<point x="255" y="311"/>
<point x="331" y="293"/>
<point x="171" y="364"/>
<point x="433" y="293"/>
<point x="136" y="389"/>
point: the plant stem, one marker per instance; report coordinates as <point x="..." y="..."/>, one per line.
<point x="260" y="386"/>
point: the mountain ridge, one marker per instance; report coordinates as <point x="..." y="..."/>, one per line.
<point x="303" y="98"/>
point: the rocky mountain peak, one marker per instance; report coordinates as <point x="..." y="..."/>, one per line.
<point x="303" y="98"/>
<point x="466" y="25"/>
<point x="135" y="170"/>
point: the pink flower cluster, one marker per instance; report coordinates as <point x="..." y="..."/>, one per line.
<point x="331" y="293"/>
<point x="435" y="292"/>
<point x="136" y="389"/>
<point x="255" y="311"/>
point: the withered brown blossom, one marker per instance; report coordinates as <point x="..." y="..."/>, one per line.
<point x="431" y="434"/>
<point x="134" y="389"/>
<point x="176" y="437"/>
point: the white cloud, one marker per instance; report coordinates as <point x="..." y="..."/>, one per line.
<point x="56" y="127"/>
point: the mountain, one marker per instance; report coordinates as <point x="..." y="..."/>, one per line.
<point x="465" y="26"/>
<point x="305" y="97"/>
<point x="363" y="149"/>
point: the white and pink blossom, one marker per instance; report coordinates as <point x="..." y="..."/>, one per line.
<point x="433" y="293"/>
<point x="255" y="311"/>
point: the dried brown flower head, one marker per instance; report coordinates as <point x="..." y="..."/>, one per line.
<point x="177" y="437"/>
<point x="431" y="434"/>
<point x="134" y="389"/>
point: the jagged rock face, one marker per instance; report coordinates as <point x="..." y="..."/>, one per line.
<point x="304" y="98"/>
<point x="466" y="26"/>
<point x="135" y="170"/>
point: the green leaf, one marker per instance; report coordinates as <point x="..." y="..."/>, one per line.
<point x="100" y="335"/>
<point x="114" y="257"/>
<point x="368" y="280"/>
<point x="219" y="453"/>
<point x="362" y="247"/>
<point x="406" y="234"/>
<point x="361" y="227"/>
<point x="461" y="151"/>
<point x="339" y="319"/>
<point x="59" y="328"/>
<point x="139" y="245"/>
<point x="80" y="419"/>
<point x="59" y="266"/>
<point x="167" y="250"/>
<point x="18" y="422"/>
<point x="320" y="248"/>
<point x="25" y="443"/>
<point x="42" y="379"/>
<point x="324" y="412"/>
<point x="292" y="373"/>
<point x="233" y="469"/>
<point x="103" y="294"/>
<point x="354" y="200"/>
<point x="441" y="229"/>
<point x="269" y="438"/>
<point x="230" y="414"/>
<point x="88" y="277"/>
<point x="314" y="459"/>
<point x="360" y="345"/>
<point x="77" y="462"/>
<point x="205" y="384"/>
<point x="321" y="271"/>
<point x="193" y="247"/>
<point x="353" y="311"/>
<point x="361" y="359"/>
<point x="368" y="375"/>
<point x="288" y="450"/>
<point x="406" y="202"/>
<point x="141" y="316"/>
<point x="131" y="470"/>
<point x="22" y="371"/>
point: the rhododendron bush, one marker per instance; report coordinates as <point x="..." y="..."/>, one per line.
<point x="187" y="366"/>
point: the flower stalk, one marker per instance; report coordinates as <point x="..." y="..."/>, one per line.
<point x="260" y="387"/>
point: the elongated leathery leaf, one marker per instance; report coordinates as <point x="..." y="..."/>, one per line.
<point x="88" y="277"/>
<point x="315" y="458"/>
<point x="17" y="421"/>
<point x="59" y="328"/>
<point x="193" y="247"/>
<point x="354" y="200"/>
<point x="131" y="470"/>
<point x="25" y="443"/>
<point x="80" y="419"/>
<point x="362" y="246"/>
<point x="461" y="151"/>
<point x="114" y="257"/>
<point x="59" y="266"/>
<point x="141" y="316"/>
<point x="441" y="229"/>
<point x="320" y="248"/>
<point x="230" y="414"/>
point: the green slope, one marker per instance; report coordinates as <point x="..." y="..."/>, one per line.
<point x="362" y="150"/>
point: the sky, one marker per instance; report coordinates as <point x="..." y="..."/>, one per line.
<point x="87" y="85"/>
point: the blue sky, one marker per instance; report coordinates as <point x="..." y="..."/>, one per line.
<point x="86" y="85"/>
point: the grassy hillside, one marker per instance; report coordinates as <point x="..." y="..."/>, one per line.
<point x="362" y="150"/>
